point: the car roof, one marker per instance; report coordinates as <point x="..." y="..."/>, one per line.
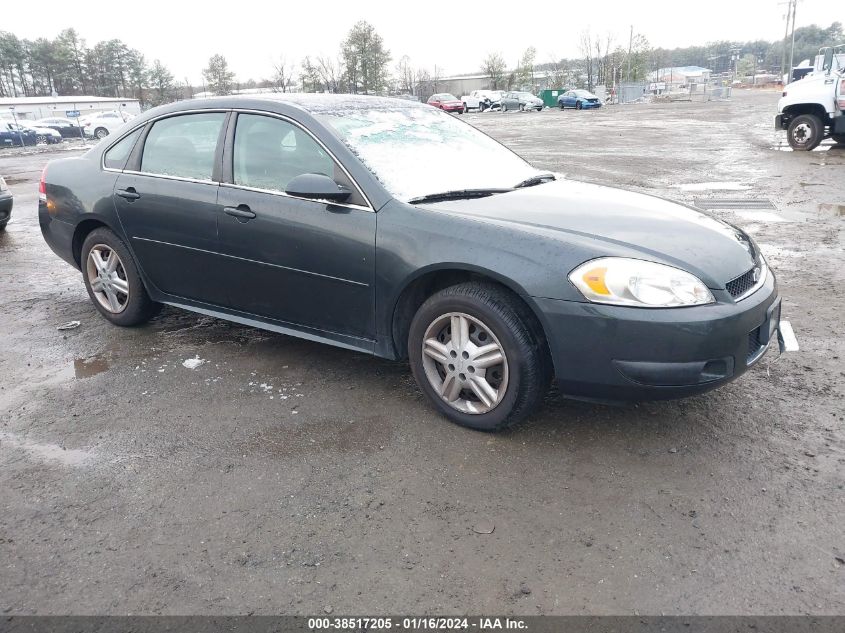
<point x="318" y="103"/>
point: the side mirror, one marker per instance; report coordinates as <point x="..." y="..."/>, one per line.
<point x="317" y="187"/>
<point x="827" y="64"/>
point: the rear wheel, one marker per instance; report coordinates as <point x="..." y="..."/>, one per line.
<point x="113" y="282"/>
<point x="101" y="132"/>
<point x="560" y="103"/>
<point x="805" y="132"/>
<point x="476" y="357"/>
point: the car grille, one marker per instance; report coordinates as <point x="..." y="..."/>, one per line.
<point x="745" y="282"/>
<point x="755" y="346"/>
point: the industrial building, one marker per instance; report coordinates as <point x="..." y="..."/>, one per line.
<point x="33" y="108"/>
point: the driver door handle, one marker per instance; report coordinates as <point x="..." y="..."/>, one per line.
<point x="129" y="193"/>
<point x="241" y="212"/>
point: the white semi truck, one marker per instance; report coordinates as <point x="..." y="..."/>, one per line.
<point x="813" y="108"/>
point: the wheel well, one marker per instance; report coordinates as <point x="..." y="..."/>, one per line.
<point x="82" y="231"/>
<point x="416" y="293"/>
<point x="807" y="108"/>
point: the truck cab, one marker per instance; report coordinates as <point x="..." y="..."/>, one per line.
<point x="813" y="108"/>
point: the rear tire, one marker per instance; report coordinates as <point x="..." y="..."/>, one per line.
<point x="118" y="294"/>
<point x="513" y="383"/>
<point x="561" y="105"/>
<point x="101" y="132"/>
<point x="805" y="132"/>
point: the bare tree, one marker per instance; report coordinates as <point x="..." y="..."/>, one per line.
<point x="494" y="67"/>
<point x="586" y="48"/>
<point x="330" y="73"/>
<point x="283" y="74"/>
<point x="406" y="76"/>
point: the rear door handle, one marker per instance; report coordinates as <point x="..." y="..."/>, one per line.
<point x="129" y="193"/>
<point x="241" y="212"/>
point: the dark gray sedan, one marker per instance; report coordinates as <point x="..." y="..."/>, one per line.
<point x="391" y="228"/>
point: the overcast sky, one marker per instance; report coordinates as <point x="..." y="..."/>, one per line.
<point x="456" y="36"/>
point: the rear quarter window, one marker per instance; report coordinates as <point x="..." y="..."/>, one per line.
<point x="117" y="155"/>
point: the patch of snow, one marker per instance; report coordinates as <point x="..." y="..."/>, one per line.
<point x="193" y="363"/>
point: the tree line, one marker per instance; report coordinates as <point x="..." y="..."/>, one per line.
<point x="66" y="65"/>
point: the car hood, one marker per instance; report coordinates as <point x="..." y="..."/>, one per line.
<point x="620" y="222"/>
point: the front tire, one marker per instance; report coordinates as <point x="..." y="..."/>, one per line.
<point x="805" y="132"/>
<point x="113" y="282"/>
<point x="477" y="358"/>
<point x="578" y="105"/>
<point x="41" y="139"/>
<point x="101" y="132"/>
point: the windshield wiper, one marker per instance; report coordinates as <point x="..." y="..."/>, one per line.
<point x="536" y="180"/>
<point x="457" y="194"/>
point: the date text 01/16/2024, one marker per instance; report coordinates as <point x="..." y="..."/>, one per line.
<point x="416" y="623"/>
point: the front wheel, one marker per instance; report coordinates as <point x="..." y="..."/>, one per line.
<point x="561" y="105"/>
<point x="113" y="282"/>
<point x="805" y="132"/>
<point x="101" y="132"/>
<point x="578" y="105"/>
<point x="504" y="108"/>
<point x="477" y="358"/>
<point x="41" y="139"/>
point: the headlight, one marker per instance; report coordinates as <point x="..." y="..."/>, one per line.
<point x="635" y="282"/>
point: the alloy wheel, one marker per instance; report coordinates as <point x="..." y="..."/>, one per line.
<point x="107" y="278"/>
<point x="465" y="363"/>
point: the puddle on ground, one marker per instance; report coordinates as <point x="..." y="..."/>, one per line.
<point x="832" y="209"/>
<point x="45" y="452"/>
<point x="87" y="367"/>
<point x="713" y="186"/>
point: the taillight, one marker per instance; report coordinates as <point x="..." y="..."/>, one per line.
<point x="42" y="186"/>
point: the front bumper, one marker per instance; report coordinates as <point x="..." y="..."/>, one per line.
<point x="632" y="354"/>
<point x="6" y="203"/>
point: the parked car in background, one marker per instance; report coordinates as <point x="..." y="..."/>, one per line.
<point x="43" y="135"/>
<point x="578" y="99"/>
<point x="382" y="226"/>
<point x="68" y="128"/>
<point x="446" y="102"/>
<point x="482" y="100"/>
<point x="6" y="201"/>
<point x="15" y="136"/>
<point x="102" y="124"/>
<point x="521" y="101"/>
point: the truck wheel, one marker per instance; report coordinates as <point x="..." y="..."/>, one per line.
<point x="838" y="138"/>
<point x="805" y="132"/>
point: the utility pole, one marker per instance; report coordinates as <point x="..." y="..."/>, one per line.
<point x="792" y="50"/>
<point x="790" y="19"/>
<point x="630" y="46"/>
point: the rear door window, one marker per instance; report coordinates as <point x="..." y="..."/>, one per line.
<point x="183" y="146"/>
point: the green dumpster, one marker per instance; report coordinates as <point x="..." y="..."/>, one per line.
<point x="549" y="97"/>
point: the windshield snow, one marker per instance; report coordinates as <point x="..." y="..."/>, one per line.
<point x="420" y="151"/>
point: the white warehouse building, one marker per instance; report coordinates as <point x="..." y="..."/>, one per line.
<point x="33" y="108"/>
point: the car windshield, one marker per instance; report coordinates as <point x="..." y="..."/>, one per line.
<point x="422" y="151"/>
<point x="584" y="93"/>
<point x="526" y="95"/>
<point x="446" y="97"/>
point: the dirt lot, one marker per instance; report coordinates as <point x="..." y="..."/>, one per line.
<point x="283" y="476"/>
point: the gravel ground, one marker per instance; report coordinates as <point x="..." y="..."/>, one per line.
<point x="282" y="476"/>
